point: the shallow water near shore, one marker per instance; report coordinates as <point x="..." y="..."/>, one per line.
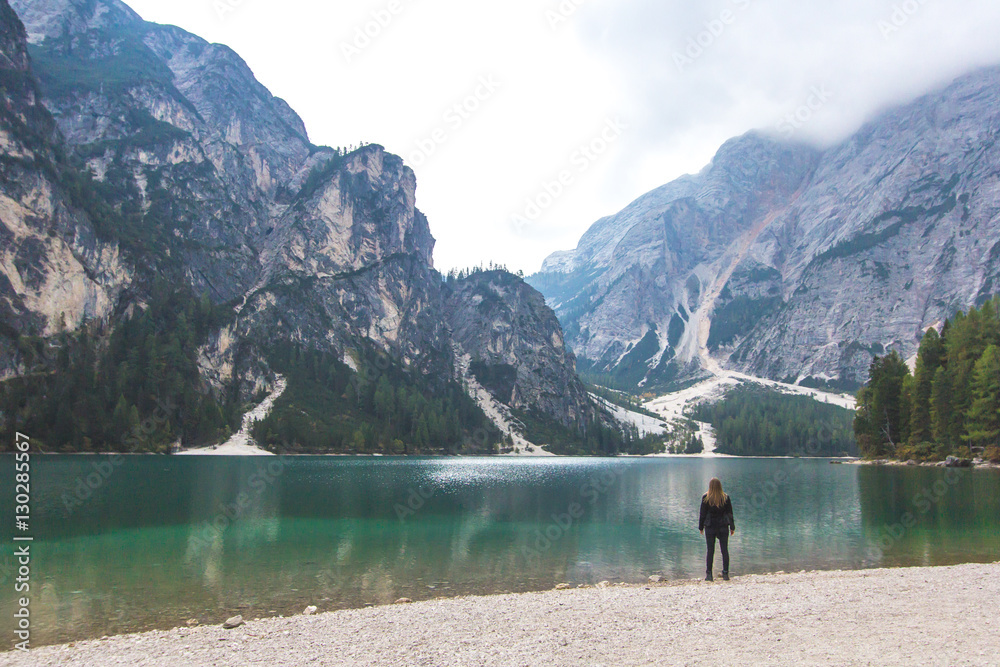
<point x="138" y="543"/>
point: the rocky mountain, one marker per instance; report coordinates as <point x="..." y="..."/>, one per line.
<point x="55" y="271"/>
<point x="792" y="263"/>
<point x="489" y="313"/>
<point x="158" y="203"/>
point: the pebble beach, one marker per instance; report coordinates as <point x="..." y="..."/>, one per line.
<point x="917" y="616"/>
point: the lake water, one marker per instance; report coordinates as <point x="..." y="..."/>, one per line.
<point x="149" y="542"/>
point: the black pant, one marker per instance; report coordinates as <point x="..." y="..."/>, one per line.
<point x="722" y="534"/>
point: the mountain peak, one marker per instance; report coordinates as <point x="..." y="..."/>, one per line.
<point x="795" y="263"/>
<point x="191" y="197"/>
<point x="46" y="19"/>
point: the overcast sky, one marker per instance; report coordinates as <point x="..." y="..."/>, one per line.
<point x="493" y="103"/>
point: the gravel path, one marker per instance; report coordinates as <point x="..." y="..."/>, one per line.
<point x="920" y="616"/>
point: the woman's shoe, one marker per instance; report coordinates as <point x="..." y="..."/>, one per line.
<point x="708" y="577"/>
<point x="725" y="576"/>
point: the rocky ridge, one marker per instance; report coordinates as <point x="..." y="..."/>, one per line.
<point x="488" y="313"/>
<point x="55" y="271"/>
<point x="188" y="170"/>
<point x="791" y="263"/>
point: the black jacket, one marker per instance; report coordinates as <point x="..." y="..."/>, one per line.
<point x="716" y="517"/>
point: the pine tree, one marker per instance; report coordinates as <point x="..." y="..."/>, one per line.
<point x="132" y="429"/>
<point x="929" y="359"/>
<point x="991" y="321"/>
<point x="983" y="417"/>
<point x="878" y="424"/>
<point x="906" y="408"/>
<point x="966" y="343"/>
<point x="119" y="418"/>
<point x="422" y="437"/>
<point x="385" y="401"/>
<point x="941" y="407"/>
<point x="953" y="396"/>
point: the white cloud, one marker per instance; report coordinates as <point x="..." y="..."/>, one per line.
<point x="559" y="86"/>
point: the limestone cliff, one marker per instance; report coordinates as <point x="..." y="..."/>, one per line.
<point x="793" y="263"/>
<point x="158" y="157"/>
<point x="515" y="346"/>
<point x="56" y="271"/>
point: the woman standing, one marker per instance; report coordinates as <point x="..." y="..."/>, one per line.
<point x="717" y="522"/>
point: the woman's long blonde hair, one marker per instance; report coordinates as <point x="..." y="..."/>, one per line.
<point x="716" y="496"/>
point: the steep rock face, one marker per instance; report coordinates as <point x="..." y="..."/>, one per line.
<point x="628" y="294"/>
<point x="851" y="252"/>
<point x="55" y="18"/>
<point x="363" y="212"/>
<point x="198" y="156"/>
<point x="346" y="269"/>
<point x="55" y="272"/>
<point x="516" y="346"/>
<point x="216" y="180"/>
<point x="899" y="230"/>
<point x="211" y="184"/>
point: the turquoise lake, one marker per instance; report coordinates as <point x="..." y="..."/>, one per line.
<point x="138" y="543"/>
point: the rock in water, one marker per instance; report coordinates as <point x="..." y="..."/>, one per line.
<point x="403" y="601"/>
<point x="310" y="610"/>
<point x="656" y="579"/>
<point x="562" y="587"/>
<point x="234" y="622"/>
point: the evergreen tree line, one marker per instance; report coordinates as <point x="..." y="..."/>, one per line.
<point x="328" y="407"/>
<point x="684" y="438"/>
<point x="600" y="435"/>
<point x="455" y="275"/>
<point x="950" y="404"/>
<point x="622" y="399"/>
<point x="756" y="421"/>
<point x="137" y="390"/>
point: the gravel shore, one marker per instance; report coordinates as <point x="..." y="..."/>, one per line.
<point x="918" y="616"/>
